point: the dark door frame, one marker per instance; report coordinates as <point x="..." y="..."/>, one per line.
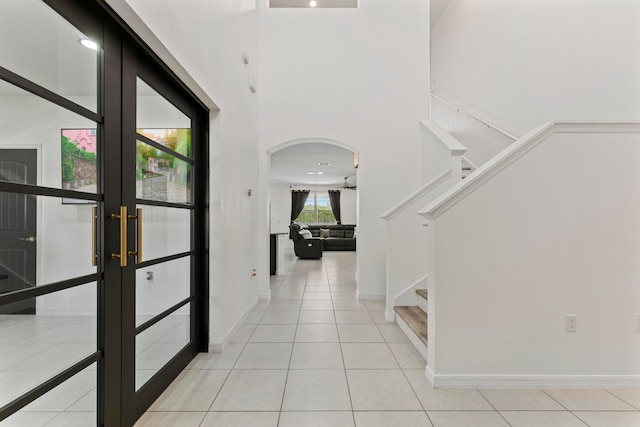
<point x="115" y="406"/>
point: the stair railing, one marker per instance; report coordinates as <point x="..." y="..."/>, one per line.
<point x="406" y="237"/>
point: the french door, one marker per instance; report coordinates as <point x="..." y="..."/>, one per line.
<point x="103" y="237"/>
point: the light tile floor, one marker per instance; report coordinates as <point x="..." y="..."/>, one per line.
<point x="33" y="348"/>
<point x="315" y="356"/>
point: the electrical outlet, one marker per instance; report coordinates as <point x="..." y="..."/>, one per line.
<point x="571" y="323"/>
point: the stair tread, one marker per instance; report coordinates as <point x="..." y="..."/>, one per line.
<point x="423" y="293"/>
<point x="415" y="318"/>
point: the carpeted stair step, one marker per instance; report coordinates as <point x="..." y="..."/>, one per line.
<point x="415" y="318"/>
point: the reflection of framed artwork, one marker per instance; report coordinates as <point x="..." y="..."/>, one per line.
<point x="79" y="162"/>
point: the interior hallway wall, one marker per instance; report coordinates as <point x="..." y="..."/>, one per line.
<point x="358" y="76"/>
<point x="524" y="63"/>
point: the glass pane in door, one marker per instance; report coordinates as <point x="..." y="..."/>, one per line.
<point x="49" y="51"/>
<point x="35" y="347"/>
<point x="157" y="345"/>
<point x="66" y="143"/>
<point x="166" y="231"/>
<point x="153" y="111"/>
<point x="161" y="176"/>
<point x="161" y="286"/>
<point x="73" y="402"/>
<point x="163" y="180"/>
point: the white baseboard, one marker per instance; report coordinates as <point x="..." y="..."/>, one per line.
<point x="217" y="347"/>
<point x="390" y="316"/>
<point x="530" y="381"/>
<point x="431" y="377"/>
<point x="266" y="296"/>
<point x="370" y="297"/>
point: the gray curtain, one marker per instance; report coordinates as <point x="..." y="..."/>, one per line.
<point x="334" y="199"/>
<point x="298" y="198"/>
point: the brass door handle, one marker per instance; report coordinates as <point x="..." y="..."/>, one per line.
<point x="28" y="239"/>
<point x="138" y="251"/>
<point x="123" y="236"/>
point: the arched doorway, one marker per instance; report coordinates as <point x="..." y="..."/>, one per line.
<point x="318" y="165"/>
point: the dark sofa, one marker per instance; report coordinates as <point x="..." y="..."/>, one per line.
<point x="310" y="248"/>
<point x="341" y="236"/>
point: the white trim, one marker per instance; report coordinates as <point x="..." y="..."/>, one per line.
<point x="416" y="195"/>
<point x="413" y="338"/>
<point x="265" y="296"/>
<point x="431" y="376"/>
<point x="217" y="347"/>
<point x="532" y="381"/>
<point x="369" y="297"/>
<point x="512" y="153"/>
<point x="474" y="116"/>
<point x="317" y="140"/>
<point x="390" y="316"/>
<point x="453" y="145"/>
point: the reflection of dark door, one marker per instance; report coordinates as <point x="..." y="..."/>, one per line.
<point x="18" y="229"/>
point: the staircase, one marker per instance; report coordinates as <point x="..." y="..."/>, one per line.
<point x="467" y="167"/>
<point x="412" y="319"/>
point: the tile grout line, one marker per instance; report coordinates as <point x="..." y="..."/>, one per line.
<point x="344" y="365"/>
<point x="491" y="404"/>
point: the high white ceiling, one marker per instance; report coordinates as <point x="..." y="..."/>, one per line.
<point x="292" y="165"/>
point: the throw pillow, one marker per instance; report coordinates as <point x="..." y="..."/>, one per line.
<point x="325" y="232"/>
<point x="306" y="234"/>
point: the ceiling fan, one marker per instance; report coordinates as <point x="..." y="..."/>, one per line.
<point x="346" y="185"/>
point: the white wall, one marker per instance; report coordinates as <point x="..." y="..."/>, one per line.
<point x="360" y="77"/>
<point x="482" y="142"/>
<point x="555" y="233"/>
<point x="524" y="63"/>
<point x="280" y="196"/>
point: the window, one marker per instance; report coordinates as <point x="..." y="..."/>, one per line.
<point x="317" y="210"/>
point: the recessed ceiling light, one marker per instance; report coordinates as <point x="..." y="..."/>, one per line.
<point x="89" y="44"/>
<point x="324" y="164"/>
<point x="311" y="173"/>
<point x="313" y="3"/>
<point x="320" y="173"/>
